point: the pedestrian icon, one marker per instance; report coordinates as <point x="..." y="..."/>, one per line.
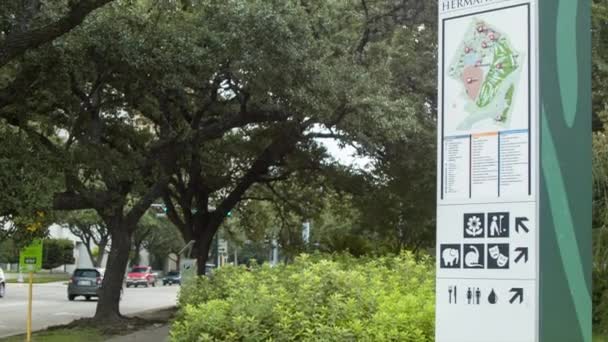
<point x="474" y="225"/>
<point x="492" y="298"/>
<point x="498" y="256"/>
<point x="450" y="256"/>
<point x="473" y="296"/>
<point x="452" y="292"/>
<point x="474" y="256"/>
<point x="499" y="225"/>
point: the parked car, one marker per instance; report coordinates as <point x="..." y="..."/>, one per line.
<point x="141" y="275"/>
<point x="209" y="269"/>
<point x="2" y="284"/>
<point x="173" y="277"/>
<point x="85" y="282"/>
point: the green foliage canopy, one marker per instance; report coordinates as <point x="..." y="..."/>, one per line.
<point x="57" y="252"/>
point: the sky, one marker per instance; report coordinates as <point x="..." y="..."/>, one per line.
<point x="345" y="156"/>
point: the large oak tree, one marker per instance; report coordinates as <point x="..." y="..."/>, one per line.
<point x="199" y="101"/>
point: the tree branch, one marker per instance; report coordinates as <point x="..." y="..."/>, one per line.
<point x="327" y="136"/>
<point x="21" y="84"/>
<point x="284" y="199"/>
<point x="71" y="201"/>
<point x="18" y="43"/>
<point x="280" y="147"/>
<point x="140" y="208"/>
<point x="173" y="215"/>
<point x="215" y="128"/>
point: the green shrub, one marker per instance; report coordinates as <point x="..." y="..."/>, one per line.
<point x="337" y="298"/>
<point x="600" y="302"/>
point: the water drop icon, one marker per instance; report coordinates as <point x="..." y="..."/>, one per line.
<point x="492" y="298"/>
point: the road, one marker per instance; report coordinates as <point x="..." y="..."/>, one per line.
<point x="51" y="306"/>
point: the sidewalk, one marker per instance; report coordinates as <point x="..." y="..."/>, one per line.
<point x="157" y="333"/>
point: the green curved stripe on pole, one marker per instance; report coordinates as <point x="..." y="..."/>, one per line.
<point x="567" y="57"/>
<point x="564" y="226"/>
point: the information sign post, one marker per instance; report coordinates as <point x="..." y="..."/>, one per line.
<point x="514" y="171"/>
<point x="30" y="260"/>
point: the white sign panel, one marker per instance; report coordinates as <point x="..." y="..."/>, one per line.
<point x="487" y="236"/>
<point x="222" y="246"/>
<point x="188" y="269"/>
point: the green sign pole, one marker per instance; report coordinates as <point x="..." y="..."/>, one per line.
<point x="565" y="170"/>
<point x="30" y="260"/>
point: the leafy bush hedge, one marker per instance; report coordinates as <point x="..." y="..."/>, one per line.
<point x="338" y="298"/>
<point x="600" y="302"/>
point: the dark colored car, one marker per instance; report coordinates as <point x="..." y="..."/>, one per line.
<point x="85" y="282"/>
<point x="209" y="268"/>
<point x="173" y="277"/>
<point x="2" y="284"/>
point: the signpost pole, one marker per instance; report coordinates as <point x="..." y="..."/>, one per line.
<point x="30" y="260"/>
<point x="29" y="308"/>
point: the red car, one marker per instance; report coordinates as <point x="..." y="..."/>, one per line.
<point x="141" y="275"/>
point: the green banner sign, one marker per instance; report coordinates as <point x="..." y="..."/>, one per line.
<point x="30" y="258"/>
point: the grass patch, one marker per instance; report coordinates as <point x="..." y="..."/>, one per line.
<point x="90" y="330"/>
<point x="61" y="335"/>
<point x="41" y="279"/>
<point x="600" y="338"/>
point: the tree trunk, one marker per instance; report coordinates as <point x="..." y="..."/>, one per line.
<point x="203" y="246"/>
<point x="87" y="246"/>
<point x="101" y="252"/>
<point x="136" y="249"/>
<point x="109" y="297"/>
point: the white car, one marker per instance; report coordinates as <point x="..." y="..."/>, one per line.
<point x="2" y="284"/>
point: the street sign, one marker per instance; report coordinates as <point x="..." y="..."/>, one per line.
<point x="30" y="258"/>
<point x="503" y="212"/>
<point x="222" y="246"/>
<point x="188" y="269"/>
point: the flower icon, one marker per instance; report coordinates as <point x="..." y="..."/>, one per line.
<point x="474" y="227"/>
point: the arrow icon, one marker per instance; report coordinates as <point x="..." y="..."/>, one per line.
<point x="520" y="223"/>
<point x="522" y="254"/>
<point x="518" y="292"/>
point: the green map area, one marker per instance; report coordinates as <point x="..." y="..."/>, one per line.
<point x="488" y="67"/>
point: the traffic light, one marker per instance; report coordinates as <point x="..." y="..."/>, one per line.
<point x="160" y="209"/>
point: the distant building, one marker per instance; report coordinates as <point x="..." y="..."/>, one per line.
<point x="81" y="256"/>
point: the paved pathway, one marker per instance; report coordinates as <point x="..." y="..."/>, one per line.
<point x="159" y="333"/>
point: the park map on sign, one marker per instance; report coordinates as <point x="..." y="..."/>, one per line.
<point x="488" y="67"/>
